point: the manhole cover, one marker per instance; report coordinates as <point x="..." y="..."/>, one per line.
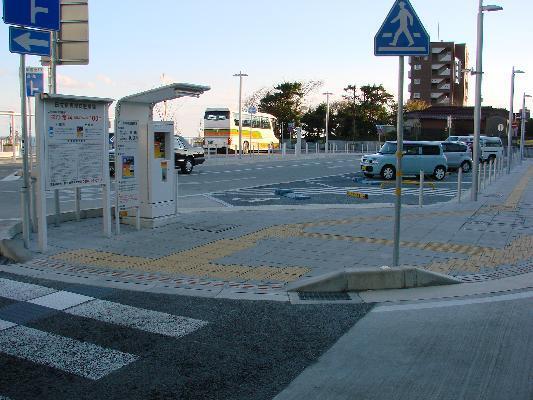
<point x="210" y="228"/>
<point x="324" y="296"/>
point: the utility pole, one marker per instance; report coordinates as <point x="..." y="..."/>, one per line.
<point x="240" y="75"/>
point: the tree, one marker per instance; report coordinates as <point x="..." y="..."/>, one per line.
<point x="416" y="105"/>
<point x="351" y="99"/>
<point x="286" y="101"/>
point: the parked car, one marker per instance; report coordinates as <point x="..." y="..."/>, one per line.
<point x="458" y="155"/>
<point x="418" y="155"/>
<point x="490" y="147"/>
<point x="187" y="156"/>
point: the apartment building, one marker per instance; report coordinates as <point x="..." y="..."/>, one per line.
<point x="438" y="79"/>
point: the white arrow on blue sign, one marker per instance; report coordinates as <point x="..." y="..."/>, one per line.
<point x="402" y="33"/>
<point x="34" y="81"/>
<point x="27" y="41"/>
<point x="252" y="110"/>
<point x="40" y="14"/>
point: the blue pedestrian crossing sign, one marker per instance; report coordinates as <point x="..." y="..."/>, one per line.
<point x="34" y="81"/>
<point x="402" y="33"/>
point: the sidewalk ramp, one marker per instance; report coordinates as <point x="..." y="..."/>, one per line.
<point x="357" y="280"/>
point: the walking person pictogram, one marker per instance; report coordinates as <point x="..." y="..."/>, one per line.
<point x="406" y="19"/>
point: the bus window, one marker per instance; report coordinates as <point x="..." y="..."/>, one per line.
<point x="257" y="122"/>
<point x="265" y="123"/>
<point x="217" y="115"/>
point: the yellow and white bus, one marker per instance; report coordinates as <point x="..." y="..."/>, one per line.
<point x="221" y="130"/>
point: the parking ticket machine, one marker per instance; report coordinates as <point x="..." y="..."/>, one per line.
<point x="159" y="192"/>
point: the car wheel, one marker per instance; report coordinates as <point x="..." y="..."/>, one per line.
<point x="245" y="147"/>
<point x="466" y="166"/>
<point x="388" y="172"/>
<point x="440" y="173"/>
<point x="187" y="166"/>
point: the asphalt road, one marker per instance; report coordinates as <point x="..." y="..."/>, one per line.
<point x="223" y="349"/>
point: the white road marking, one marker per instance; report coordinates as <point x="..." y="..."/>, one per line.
<point x="80" y="358"/>
<point x="13" y="177"/>
<point x="454" y="303"/>
<point x="6" y="325"/>
<point x="61" y="300"/>
<point x="21" y="291"/>
<point x="138" y="318"/>
<point x="223" y="180"/>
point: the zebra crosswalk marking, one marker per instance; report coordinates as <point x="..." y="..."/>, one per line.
<point x="80" y="358"/>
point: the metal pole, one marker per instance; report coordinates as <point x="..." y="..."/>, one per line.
<point x="490" y="171"/>
<point x="399" y="155"/>
<point x="510" y="125"/>
<point x="421" y="190"/>
<point x="327" y="120"/>
<point x="459" y="185"/>
<point x="477" y="109"/>
<point x="484" y="175"/>
<point x="53" y="90"/>
<point x="523" y="128"/>
<point x="240" y="75"/>
<point x="13" y="138"/>
<point x="26" y="170"/>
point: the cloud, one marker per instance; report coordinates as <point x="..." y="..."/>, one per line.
<point x="64" y="81"/>
<point x="106" y="79"/>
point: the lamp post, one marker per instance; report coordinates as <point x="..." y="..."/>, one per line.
<point x="523" y="127"/>
<point x="477" y="110"/>
<point x="327" y="94"/>
<point x="240" y="75"/>
<point x="510" y="125"/>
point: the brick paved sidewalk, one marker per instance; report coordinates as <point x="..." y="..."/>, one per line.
<point x="264" y="250"/>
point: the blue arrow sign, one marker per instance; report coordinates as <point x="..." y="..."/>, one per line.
<point x="402" y="33"/>
<point x="34" y="83"/>
<point x="27" y="41"/>
<point x="41" y="14"/>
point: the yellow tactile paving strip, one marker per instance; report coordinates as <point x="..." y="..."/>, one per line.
<point x="200" y="261"/>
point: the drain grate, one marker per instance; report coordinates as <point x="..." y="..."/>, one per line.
<point x="324" y="296"/>
<point x="210" y="228"/>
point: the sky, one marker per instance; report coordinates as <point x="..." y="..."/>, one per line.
<point x="139" y="45"/>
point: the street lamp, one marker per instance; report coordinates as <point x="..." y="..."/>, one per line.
<point x="511" y="117"/>
<point x="327" y="94"/>
<point x="477" y="110"/>
<point x="240" y="75"/>
<point x="523" y="127"/>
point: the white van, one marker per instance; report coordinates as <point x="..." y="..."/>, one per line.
<point x="491" y="147"/>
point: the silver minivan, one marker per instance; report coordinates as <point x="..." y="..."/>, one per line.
<point x="417" y="156"/>
<point x="458" y="155"/>
<point x="490" y="147"/>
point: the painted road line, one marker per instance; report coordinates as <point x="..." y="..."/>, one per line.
<point x="454" y="303"/>
<point x="6" y="325"/>
<point x="138" y="318"/>
<point x="69" y="355"/>
<point x="61" y="300"/>
<point x="21" y="291"/>
<point x="15" y="176"/>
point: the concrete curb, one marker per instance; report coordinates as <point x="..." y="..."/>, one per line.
<point x="356" y="280"/>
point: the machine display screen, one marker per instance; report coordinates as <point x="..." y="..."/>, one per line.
<point x="159" y="145"/>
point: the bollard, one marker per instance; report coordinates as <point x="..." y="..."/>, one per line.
<point x="306" y="148"/>
<point x="459" y="184"/>
<point x="227" y="151"/>
<point x="490" y="171"/>
<point x="235" y="151"/>
<point x="346" y="146"/>
<point x="316" y="147"/>
<point x="479" y="179"/>
<point x="421" y="190"/>
<point x="494" y="173"/>
<point x="284" y="149"/>
<point x="484" y="175"/>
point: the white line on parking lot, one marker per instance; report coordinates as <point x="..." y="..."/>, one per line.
<point x="222" y="180"/>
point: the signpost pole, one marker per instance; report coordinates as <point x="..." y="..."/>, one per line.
<point x="399" y="155"/>
<point x="53" y="90"/>
<point x="13" y="137"/>
<point x="26" y="173"/>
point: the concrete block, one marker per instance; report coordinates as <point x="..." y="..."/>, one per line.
<point x="14" y="250"/>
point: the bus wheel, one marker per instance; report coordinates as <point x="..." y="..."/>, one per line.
<point x="245" y="147"/>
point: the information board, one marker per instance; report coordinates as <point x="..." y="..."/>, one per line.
<point x="126" y="162"/>
<point x="76" y="142"/>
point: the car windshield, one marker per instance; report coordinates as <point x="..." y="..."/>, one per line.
<point x="180" y="141"/>
<point x="388" y="148"/>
